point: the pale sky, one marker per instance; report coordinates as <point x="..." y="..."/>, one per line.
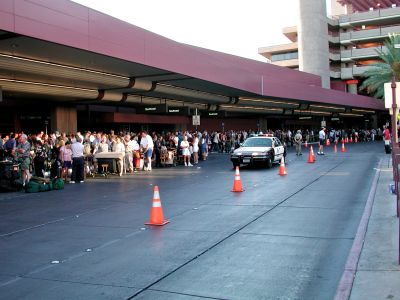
<point x="237" y="27"/>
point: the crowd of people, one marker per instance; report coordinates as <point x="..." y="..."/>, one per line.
<point x="56" y="154"/>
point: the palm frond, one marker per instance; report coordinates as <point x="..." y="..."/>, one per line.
<point x="382" y="72"/>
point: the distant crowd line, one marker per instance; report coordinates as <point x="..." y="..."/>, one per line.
<point x="57" y="153"/>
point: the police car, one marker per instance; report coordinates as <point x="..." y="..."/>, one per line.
<point x="260" y="149"/>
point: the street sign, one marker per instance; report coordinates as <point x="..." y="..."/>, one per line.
<point x="323" y="123"/>
<point x="196" y="120"/>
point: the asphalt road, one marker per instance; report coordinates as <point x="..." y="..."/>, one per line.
<point x="283" y="238"/>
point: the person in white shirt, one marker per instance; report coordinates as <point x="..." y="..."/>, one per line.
<point x="215" y="142"/>
<point x="119" y="147"/>
<point x="196" y="149"/>
<point x="322" y="137"/>
<point x="289" y="135"/>
<point x="185" y="151"/>
<point x="77" y="161"/>
<point x="147" y="146"/>
<point x="128" y="153"/>
<point x="136" y="153"/>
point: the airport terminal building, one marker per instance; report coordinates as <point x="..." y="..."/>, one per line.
<point x="69" y="67"/>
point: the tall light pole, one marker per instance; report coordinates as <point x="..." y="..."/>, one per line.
<point x="395" y="144"/>
<point x="395" y="139"/>
<point x="394" y="107"/>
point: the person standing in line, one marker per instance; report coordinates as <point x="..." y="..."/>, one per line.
<point x="77" y="160"/>
<point x="147" y="146"/>
<point x="204" y="145"/>
<point x="136" y="153"/>
<point x="118" y="147"/>
<point x="289" y="137"/>
<point x="373" y="134"/>
<point x="66" y="159"/>
<point x="22" y="152"/>
<point x="185" y="151"/>
<point x="322" y="137"/>
<point x="196" y="149"/>
<point x="215" y="144"/>
<point x="386" y="134"/>
<point x="128" y="143"/>
<point x="10" y="145"/>
<point x="298" y="138"/>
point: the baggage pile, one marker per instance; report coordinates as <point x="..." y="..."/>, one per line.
<point x="40" y="184"/>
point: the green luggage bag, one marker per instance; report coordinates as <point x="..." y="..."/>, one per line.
<point x="32" y="187"/>
<point x="58" y="184"/>
<point x="45" y="187"/>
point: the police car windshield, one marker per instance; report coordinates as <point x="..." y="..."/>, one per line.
<point x="258" y="142"/>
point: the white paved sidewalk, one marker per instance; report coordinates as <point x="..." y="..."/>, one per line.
<point x="378" y="271"/>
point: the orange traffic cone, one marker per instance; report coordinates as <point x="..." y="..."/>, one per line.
<point x="335" y="148"/>
<point x="347" y="140"/>
<point x="282" y="168"/>
<point x="306" y="145"/>
<point x="312" y="152"/>
<point x="311" y="158"/>
<point x="328" y="142"/>
<point x="237" y="183"/>
<point x="355" y="140"/>
<point x="343" y="148"/>
<point x="351" y="139"/>
<point x="156" y="215"/>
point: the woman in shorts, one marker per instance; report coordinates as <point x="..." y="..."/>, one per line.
<point x="186" y="152"/>
<point x="66" y="159"/>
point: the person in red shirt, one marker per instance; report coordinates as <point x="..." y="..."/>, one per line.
<point x="386" y="134"/>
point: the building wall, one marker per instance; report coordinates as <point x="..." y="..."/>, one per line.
<point x="64" y="119"/>
<point x="228" y="124"/>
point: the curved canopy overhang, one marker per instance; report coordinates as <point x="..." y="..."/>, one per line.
<point x="60" y="48"/>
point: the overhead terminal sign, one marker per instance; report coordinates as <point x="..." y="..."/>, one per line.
<point x="180" y="110"/>
<point x="152" y="109"/>
<point x="214" y="114"/>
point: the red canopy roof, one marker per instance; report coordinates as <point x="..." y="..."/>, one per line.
<point x="364" y="5"/>
<point x="73" y="25"/>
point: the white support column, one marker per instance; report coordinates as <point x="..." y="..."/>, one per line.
<point x="313" y="39"/>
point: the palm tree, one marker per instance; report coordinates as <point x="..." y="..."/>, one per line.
<point x="382" y="72"/>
